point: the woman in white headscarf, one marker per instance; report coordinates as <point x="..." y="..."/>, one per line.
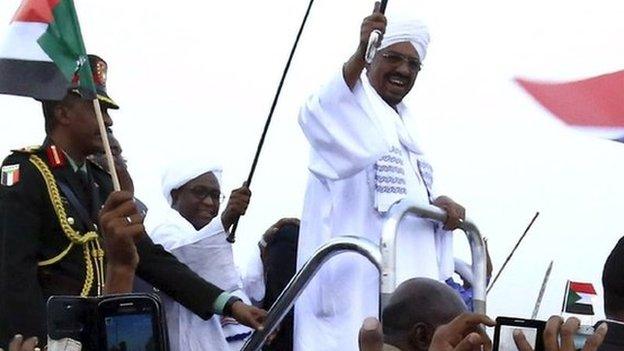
<point x="193" y="231"/>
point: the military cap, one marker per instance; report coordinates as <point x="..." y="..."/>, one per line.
<point x="99" y="68"/>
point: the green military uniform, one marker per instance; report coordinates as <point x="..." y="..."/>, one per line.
<point x="50" y="244"/>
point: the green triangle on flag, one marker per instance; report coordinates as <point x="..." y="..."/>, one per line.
<point x="64" y="44"/>
<point x="573" y="297"/>
<point x="42" y="54"/>
<point x="574" y="301"/>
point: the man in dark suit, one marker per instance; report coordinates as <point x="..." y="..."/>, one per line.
<point x="50" y="243"/>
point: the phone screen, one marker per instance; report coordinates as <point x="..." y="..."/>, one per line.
<point x="130" y="332"/>
<point x="506" y="341"/>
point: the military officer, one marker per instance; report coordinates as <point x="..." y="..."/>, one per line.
<point x="50" y="243"/>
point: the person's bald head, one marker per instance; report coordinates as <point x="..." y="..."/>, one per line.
<point x="416" y="309"/>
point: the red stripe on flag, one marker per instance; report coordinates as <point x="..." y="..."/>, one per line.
<point x="596" y="101"/>
<point x="35" y="11"/>
<point x="584" y="288"/>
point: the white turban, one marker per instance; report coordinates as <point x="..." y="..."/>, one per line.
<point x="407" y="30"/>
<point x="181" y="172"/>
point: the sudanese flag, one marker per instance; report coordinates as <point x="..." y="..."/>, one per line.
<point x="594" y="105"/>
<point x="43" y="54"/>
<point x="578" y="298"/>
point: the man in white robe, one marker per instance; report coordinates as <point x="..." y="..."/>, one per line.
<point x="193" y="232"/>
<point x="364" y="158"/>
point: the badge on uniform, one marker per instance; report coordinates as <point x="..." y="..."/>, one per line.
<point x="10" y="175"/>
<point x="55" y="158"/>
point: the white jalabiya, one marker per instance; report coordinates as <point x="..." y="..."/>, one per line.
<point x="207" y="253"/>
<point x="349" y="131"/>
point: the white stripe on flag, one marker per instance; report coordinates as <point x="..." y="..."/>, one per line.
<point x="602" y="132"/>
<point x="20" y="42"/>
<point x="585" y="298"/>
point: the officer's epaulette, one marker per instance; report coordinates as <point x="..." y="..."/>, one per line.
<point x="28" y="149"/>
<point x="55" y="157"/>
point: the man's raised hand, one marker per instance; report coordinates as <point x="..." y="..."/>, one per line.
<point x="122" y="226"/>
<point x="463" y="334"/>
<point x="375" y="21"/>
<point x="352" y="69"/>
<point x="236" y="206"/>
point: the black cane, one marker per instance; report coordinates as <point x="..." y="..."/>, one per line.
<point x="232" y="236"/>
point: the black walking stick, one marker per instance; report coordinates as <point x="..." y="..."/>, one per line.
<point x="232" y="236"/>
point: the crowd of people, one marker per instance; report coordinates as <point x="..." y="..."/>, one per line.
<point x="65" y="231"/>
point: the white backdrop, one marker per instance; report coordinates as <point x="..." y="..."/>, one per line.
<point x="198" y="77"/>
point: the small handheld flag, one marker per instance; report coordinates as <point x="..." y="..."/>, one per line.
<point x="578" y="298"/>
<point x="44" y="56"/>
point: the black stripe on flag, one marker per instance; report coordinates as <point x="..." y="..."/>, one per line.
<point x="36" y="79"/>
<point x="580" y="308"/>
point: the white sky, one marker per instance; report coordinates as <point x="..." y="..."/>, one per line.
<point x="199" y="77"/>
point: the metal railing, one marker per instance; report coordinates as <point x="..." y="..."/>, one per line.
<point x="388" y="249"/>
<point x="287" y="298"/>
<point x="382" y="256"/>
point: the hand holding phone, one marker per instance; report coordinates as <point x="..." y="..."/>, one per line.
<point x="509" y="329"/>
<point x="117" y="322"/>
<point x="557" y="335"/>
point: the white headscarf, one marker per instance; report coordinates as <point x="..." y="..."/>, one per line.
<point x="181" y="172"/>
<point x="407" y="30"/>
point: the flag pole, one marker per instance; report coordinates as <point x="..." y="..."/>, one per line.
<point x="565" y="296"/>
<point x="512" y="252"/>
<point x="106" y="143"/>
<point x="538" y="303"/>
<point x="232" y="235"/>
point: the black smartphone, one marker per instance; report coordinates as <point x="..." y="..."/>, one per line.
<point x="71" y="322"/>
<point x="533" y="331"/>
<point x="132" y="322"/>
<point x="109" y="323"/>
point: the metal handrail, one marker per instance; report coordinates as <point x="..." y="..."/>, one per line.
<point x="384" y="259"/>
<point x="287" y="298"/>
<point x="388" y="249"/>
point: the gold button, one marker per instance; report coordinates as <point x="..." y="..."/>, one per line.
<point x="70" y="220"/>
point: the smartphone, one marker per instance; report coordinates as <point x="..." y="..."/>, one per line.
<point x="70" y="321"/>
<point x="505" y="327"/>
<point x="133" y="322"/>
<point x="111" y="323"/>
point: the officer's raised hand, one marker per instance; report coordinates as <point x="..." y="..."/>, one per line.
<point x="122" y="226"/>
<point x="237" y="205"/>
